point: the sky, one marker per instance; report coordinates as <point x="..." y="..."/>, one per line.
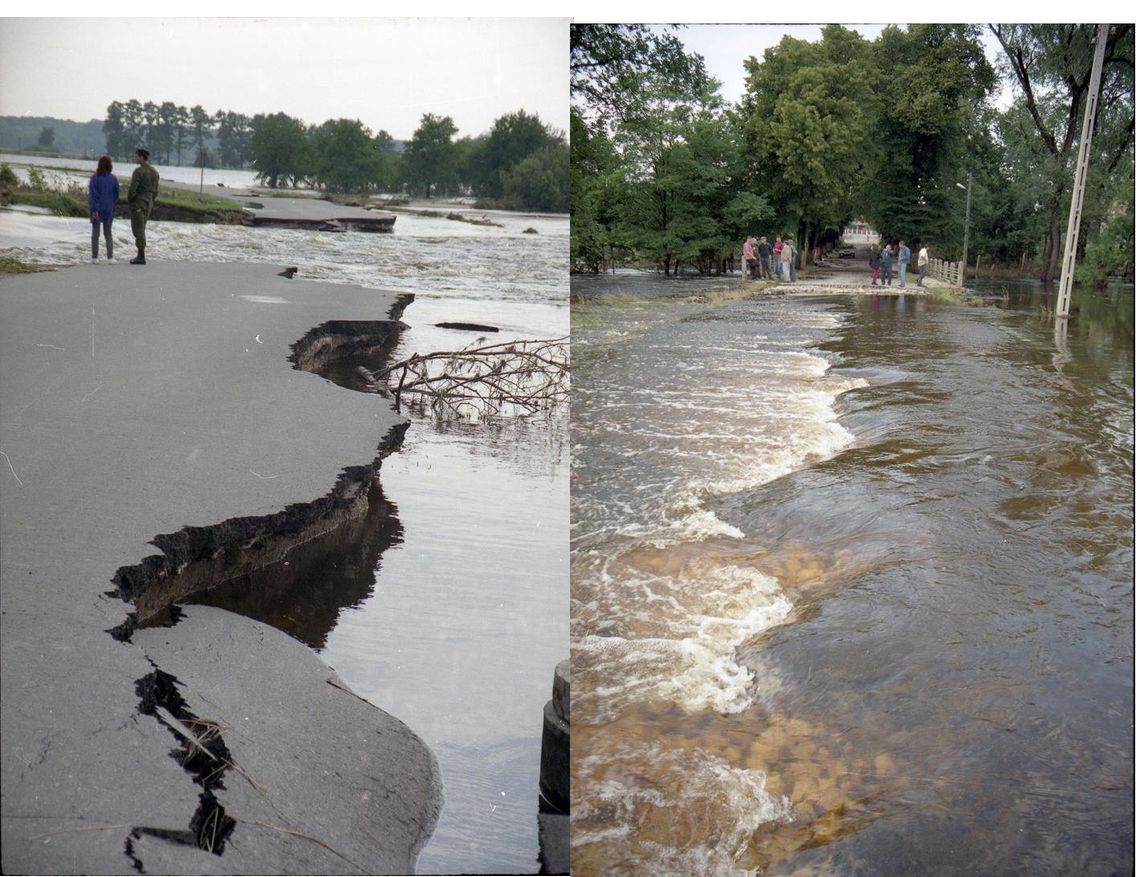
<point x="385" y="72"/>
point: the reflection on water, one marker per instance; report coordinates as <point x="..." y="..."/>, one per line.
<point x="908" y="652"/>
<point x="305" y="592"/>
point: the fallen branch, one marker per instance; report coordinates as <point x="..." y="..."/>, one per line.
<point x="525" y="376"/>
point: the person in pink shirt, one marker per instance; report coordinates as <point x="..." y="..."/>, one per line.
<point x="750" y="256"/>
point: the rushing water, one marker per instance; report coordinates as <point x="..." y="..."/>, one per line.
<point x="851" y="583"/>
<point x="448" y="606"/>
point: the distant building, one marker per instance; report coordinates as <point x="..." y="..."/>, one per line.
<point x="859" y="234"/>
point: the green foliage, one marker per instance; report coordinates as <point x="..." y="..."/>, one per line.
<point x="607" y="61"/>
<point x="541" y="181"/>
<point x="234" y="135"/>
<point x="345" y="157"/>
<point x="597" y="195"/>
<point x="78" y="139"/>
<point x="46" y="138"/>
<point x="12" y="265"/>
<point x="8" y="178"/>
<point x="279" y="150"/>
<point x="931" y="84"/>
<point x="513" y="138"/>
<point x="1051" y="65"/>
<point x="810" y="127"/>
<point x="36" y="180"/>
<point x="430" y="160"/>
<point x="1112" y="253"/>
<point x="59" y="203"/>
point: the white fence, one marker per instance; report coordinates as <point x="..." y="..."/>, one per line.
<point x="951" y="272"/>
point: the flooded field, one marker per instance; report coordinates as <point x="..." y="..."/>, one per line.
<point x="851" y="583"/>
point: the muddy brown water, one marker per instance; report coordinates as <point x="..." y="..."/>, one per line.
<point x="852" y="583"/>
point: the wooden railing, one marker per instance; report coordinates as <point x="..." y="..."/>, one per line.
<point x="951" y="272"/>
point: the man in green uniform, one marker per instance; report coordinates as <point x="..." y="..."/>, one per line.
<point x="140" y="198"/>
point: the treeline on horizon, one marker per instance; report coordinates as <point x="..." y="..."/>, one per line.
<point x="519" y="164"/>
<point x="888" y="130"/>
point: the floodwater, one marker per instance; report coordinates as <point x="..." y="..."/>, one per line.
<point x="851" y="582"/>
<point x="447" y="605"/>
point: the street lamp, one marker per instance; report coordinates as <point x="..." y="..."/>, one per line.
<point x="969" y="187"/>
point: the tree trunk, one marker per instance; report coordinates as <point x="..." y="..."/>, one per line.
<point x="1052" y="251"/>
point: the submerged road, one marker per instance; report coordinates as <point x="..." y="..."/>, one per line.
<point x="136" y="403"/>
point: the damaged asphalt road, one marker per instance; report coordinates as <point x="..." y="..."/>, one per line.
<point x="137" y="403"/>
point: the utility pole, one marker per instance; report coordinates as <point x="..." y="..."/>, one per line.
<point x="1068" y="262"/>
<point x="969" y="187"/>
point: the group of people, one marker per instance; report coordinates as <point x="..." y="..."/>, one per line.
<point x="883" y="260"/>
<point x="103" y="195"/>
<point x="764" y="259"/>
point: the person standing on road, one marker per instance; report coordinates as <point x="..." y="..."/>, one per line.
<point x="885" y="265"/>
<point x="140" y="196"/>
<point x="777" y="254"/>
<point x="923" y="263"/>
<point x="102" y="195"/>
<point x="764" y="254"/>
<point x="787" y="256"/>
<point x="750" y="256"/>
<point x="874" y="263"/>
<point x="904" y="260"/>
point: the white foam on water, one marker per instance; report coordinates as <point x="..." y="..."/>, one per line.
<point x="680" y="643"/>
<point x="672" y="796"/>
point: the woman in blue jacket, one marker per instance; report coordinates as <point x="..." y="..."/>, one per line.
<point x="102" y="195"/>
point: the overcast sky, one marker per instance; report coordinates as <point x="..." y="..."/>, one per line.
<point x="385" y="72"/>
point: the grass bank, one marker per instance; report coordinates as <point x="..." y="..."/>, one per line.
<point x="12" y="265"/>
<point x="172" y="204"/>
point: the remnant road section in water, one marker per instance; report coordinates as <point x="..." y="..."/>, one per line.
<point x="201" y="430"/>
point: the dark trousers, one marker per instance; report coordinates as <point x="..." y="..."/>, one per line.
<point x="106" y="236"/>
<point x="765" y="270"/>
<point x="140" y="213"/>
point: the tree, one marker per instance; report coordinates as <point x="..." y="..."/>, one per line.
<point x="162" y="136"/>
<point x="388" y="162"/>
<point x="201" y="125"/>
<point x="46" y="140"/>
<point x="932" y="83"/>
<point x="233" y="138"/>
<point x="1052" y="66"/>
<point x="134" y="125"/>
<point x="655" y="173"/>
<point x="541" y="181"/>
<point x="597" y="194"/>
<point x="430" y="159"/>
<point x="151" y="122"/>
<point x="180" y="128"/>
<point x="114" y="129"/>
<point x="345" y="158"/>
<point x="606" y="61"/>
<point x="807" y="128"/>
<point x="279" y="149"/>
<point x="513" y="137"/>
